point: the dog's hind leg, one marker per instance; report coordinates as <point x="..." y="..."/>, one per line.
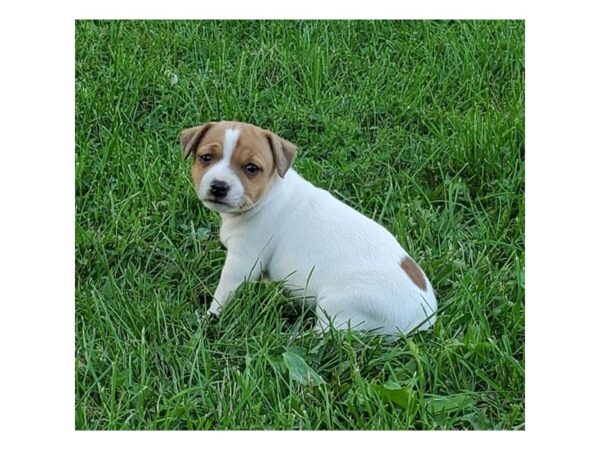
<point x="332" y="313"/>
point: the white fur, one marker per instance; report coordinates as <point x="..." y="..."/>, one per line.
<point x="345" y="265"/>
<point x="222" y="171"/>
<point x="232" y="136"/>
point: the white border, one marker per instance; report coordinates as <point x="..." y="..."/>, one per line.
<point x="38" y="208"/>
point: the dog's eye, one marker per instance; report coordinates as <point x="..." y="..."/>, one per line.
<point x="206" y="158"/>
<point x="252" y="169"/>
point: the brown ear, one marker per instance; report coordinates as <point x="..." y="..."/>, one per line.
<point x="190" y="138"/>
<point x="284" y="152"/>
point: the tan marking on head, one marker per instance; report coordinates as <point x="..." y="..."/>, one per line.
<point x="190" y="138"/>
<point x="208" y="140"/>
<point x="272" y="154"/>
<point x="284" y="152"/>
<point x="414" y="272"/>
<point x="253" y="148"/>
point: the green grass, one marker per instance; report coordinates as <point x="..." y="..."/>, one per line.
<point x="419" y="125"/>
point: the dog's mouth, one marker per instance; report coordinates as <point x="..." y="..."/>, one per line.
<point x="218" y="205"/>
<point x="218" y="202"/>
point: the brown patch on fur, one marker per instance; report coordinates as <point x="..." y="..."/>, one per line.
<point x="252" y="148"/>
<point x="283" y="151"/>
<point x="414" y="272"/>
<point x="190" y="138"/>
<point x="199" y="167"/>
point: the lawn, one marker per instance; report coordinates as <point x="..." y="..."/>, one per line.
<point x="419" y="125"/>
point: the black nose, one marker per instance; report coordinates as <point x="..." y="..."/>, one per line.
<point x="219" y="188"/>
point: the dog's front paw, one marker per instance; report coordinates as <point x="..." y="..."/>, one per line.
<point x="214" y="310"/>
<point x="208" y="318"/>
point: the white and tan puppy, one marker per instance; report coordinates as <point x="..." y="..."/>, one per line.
<point x="351" y="270"/>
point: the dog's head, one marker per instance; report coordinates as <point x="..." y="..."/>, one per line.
<point x="234" y="163"/>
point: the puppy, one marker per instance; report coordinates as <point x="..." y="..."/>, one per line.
<point x="351" y="270"/>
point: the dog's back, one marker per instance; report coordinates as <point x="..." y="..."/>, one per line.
<point x="352" y="268"/>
